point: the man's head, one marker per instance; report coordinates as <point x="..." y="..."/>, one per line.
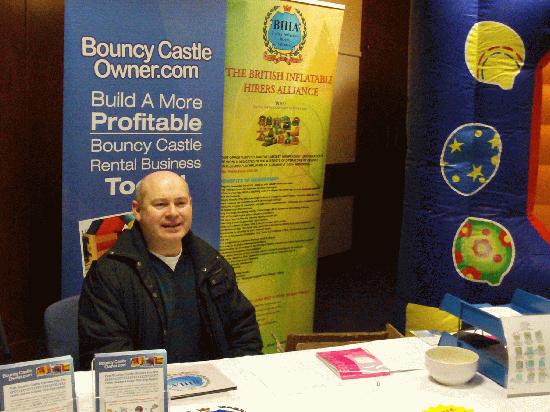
<point x="163" y="207"/>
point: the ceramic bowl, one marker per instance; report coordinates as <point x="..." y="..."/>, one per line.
<point x="451" y="365"/>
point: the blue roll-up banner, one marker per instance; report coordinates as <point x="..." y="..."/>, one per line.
<point x="143" y="91"/>
<point x="473" y="122"/>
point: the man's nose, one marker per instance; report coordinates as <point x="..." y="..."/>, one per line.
<point x="172" y="209"/>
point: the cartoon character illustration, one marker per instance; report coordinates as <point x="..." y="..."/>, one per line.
<point x="262" y="128"/>
<point x="270" y="140"/>
<point x="261" y="121"/>
<point x="285" y="123"/>
<point x="278" y="130"/>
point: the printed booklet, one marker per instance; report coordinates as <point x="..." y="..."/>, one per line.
<point x="186" y="380"/>
<point x="131" y="381"/>
<point x="353" y="363"/>
<point x="45" y="385"/>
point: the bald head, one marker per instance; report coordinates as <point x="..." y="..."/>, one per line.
<point x="163" y="207"/>
<point x="152" y="179"/>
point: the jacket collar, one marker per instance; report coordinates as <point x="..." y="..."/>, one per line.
<point x="131" y="245"/>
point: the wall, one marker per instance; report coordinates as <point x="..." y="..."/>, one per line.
<point x="337" y="211"/>
<point x="356" y="287"/>
<point x="30" y="139"/>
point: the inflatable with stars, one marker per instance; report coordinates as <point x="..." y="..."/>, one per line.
<point x="476" y="215"/>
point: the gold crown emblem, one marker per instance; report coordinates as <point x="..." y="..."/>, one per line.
<point x="287" y="8"/>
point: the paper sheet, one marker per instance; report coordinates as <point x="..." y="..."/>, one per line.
<point x="408" y="354"/>
<point x="500" y="311"/>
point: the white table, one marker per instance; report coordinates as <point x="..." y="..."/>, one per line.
<point x="298" y="381"/>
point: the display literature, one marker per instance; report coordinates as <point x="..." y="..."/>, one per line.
<point x="45" y="385"/>
<point x="353" y="363"/>
<point x="131" y="381"/>
<point x="186" y="380"/>
<point x="528" y="344"/>
<point x="516" y="357"/>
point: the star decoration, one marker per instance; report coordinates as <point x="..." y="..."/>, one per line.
<point x="475" y="173"/>
<point x="456" y="146"/>
<point x="495" y="141"/>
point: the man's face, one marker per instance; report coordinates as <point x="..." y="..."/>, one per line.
<point x="165" y="212"/>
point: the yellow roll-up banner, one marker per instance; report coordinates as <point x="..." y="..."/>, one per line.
<point x="279" y="77"/>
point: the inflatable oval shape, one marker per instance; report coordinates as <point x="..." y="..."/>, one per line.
<point x="483" y="251"/>
<point x="470" y="157"/>
<point x="494" y="53"/>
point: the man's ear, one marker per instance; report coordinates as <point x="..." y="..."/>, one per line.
<point x="136" y="210"/>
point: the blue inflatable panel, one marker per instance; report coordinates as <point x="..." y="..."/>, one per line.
<point x="465" y="226"/>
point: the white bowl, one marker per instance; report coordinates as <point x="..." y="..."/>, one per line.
<point x="451" y="365"/>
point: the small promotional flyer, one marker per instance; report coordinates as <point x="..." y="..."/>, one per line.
<point x="131" y="381"/>
<point x="45" y="385"/>
<point x="191" y="380"/>
<point x="528" y="339"/>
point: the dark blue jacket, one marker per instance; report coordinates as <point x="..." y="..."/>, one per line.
<point x="121" y="308"/>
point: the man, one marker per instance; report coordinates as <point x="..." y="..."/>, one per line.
<point x="160" y="286"/>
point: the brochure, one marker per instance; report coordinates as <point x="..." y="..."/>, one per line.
<point x="353" y="363"/>
<point x="131" y="381"/>
<point x="186" y="380"/>
<point x="528" y="345"/>
<point x="45" y="385"/>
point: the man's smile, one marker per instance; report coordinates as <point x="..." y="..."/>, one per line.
<point x="174" y="226"/>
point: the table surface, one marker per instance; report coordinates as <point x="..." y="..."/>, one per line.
<point x="299" y="381"/>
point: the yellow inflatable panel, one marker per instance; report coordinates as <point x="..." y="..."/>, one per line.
<point x="420" y="317"/>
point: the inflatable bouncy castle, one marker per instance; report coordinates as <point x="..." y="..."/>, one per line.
<point x="476" y="219"/>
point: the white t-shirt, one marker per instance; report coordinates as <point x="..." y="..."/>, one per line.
<point x="171" y="261"/>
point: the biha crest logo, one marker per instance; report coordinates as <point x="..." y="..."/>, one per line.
<point x="285" y="34"/>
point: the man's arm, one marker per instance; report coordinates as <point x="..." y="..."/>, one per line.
<point x="102" y="322"/>
<point x="243" y="334"/>
<point x="244" y="338"/>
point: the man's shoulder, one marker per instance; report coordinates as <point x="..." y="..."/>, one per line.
<point x="123" y="253"/>
<point x="202" y="252"/>
<point x="196" y="243"/>
<point x="129" y="243"/>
